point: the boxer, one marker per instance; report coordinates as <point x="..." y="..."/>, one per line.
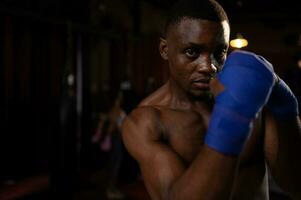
<point x="212" y="130"/>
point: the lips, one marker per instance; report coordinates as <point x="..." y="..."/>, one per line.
<point x="202" y="84"/>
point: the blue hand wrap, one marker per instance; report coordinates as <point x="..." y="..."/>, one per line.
<point x="248" y="81"/>
<point x="282" y="103"/>
<point x="227" y="129"/>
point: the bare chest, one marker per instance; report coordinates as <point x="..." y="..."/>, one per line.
<point x="185" y="134"/>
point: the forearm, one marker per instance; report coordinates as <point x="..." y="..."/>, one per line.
<point x="209" y="177"/>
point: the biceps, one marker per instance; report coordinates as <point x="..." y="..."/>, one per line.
<point x="160" y="169"/>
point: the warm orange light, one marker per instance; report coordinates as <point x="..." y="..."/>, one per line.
<point x="239" y="42"/>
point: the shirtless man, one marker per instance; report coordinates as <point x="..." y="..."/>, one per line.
<point x="192" y="146"/>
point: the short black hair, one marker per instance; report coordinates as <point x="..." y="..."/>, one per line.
<point x="195" y="9"/>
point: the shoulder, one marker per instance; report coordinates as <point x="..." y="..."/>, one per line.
<point x="142" y="116"/>
<point x="148" y="114"/>
<point x="143" y="121"/>
<point x="142" y="127"/>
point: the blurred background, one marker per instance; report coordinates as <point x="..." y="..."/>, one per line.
<point x="70" y="69"/>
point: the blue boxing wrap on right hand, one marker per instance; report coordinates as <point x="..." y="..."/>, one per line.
<point x="248" y="80"/>
<point x="282" y="103"/>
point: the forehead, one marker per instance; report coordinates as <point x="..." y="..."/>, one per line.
<point x="199" y="31"/>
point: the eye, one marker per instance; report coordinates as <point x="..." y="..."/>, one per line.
<point x="192" y="52"/>
<point x="220" y="55"/>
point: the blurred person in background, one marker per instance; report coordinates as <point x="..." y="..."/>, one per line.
<point x="108" y="136"/>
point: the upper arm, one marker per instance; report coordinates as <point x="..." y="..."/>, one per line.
<point x="282" y="140"/>
<point x="282" y="152"/>
<point x="160" y="165"/>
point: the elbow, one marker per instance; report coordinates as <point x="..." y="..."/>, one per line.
<point x="173" y="193"/>
<point x="176" y="193"/>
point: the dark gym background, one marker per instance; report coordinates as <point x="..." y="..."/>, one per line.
<point x="56" y="56"/>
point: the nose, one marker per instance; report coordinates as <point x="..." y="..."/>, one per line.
<point x="205" y="65"/>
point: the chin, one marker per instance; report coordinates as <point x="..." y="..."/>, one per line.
<point x="200" y="94"/>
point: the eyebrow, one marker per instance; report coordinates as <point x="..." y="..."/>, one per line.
<point x="197" y="45"/>
<point x="204" y="46"/>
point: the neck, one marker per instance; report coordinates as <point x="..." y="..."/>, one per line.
<point x="179" y="98"/>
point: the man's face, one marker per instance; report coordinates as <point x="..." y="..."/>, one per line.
<point x="196" y="50"/>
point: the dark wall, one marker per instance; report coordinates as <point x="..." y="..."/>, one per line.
<point x="32" y="65"/>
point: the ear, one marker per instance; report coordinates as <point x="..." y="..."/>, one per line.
<point x="163" y="48"/>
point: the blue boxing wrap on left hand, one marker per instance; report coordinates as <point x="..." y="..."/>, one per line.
<point x="227" y="129"/>
<point x="248" y="80"/>
<point x="282" y="103"/>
